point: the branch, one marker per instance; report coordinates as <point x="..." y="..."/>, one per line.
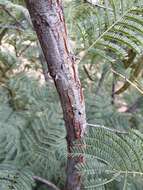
<point x="46" y="182"/>
<point x="10" y="26"/>
<point x="133" y="108"/>
<point x="129" y="81"/>
<point x="101" y="80"/>
<point x="113" y="90"/>
<point x="49" y="23"/>
<point x="87" y="73"/>
<point x="2" y="34"/>
<point x="13" y="17"/>
<point x="24" y="49"/>
<point x="95" y="3"/>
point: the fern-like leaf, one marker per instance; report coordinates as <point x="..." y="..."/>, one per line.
<point x="109" y="157"/>
<point x="15" y="178"/>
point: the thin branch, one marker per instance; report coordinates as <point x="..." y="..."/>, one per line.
<point x="91" y="2"/>
<point x="46" y="182"/>
<point x="2" y="34"/>
<point x="106" y="128"/>
<point x="10" y="26"/>
<point x="13" y="17"/>
<point x="101" y="80"/>
<point x="133" y="108"/>
<point x="87" y="73"/>
<point x="129" y="81"/>
<point x="113" y="90"/>
<point x="24" y="49"/>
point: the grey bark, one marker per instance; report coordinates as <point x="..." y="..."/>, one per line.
<point x="48" y="21"/>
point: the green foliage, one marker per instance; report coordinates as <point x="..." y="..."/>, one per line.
<point x="101" y="111"/>
<point x="32" y="134"/>
<point x="110" y="156"/>
<point x="111" y="31"/>
<point x="15" y="178"/>
<point x="29" y="115"/>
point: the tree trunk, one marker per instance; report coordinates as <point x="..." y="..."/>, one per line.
<point x="48" y="20"/>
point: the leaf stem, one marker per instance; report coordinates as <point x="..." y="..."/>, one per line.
<point x="100" y="37"/>
<point x="46" y="182"/>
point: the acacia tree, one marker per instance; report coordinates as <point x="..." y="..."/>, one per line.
<point x="49" y="23"/>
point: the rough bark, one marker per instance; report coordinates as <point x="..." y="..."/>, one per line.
<point x="48" y="21"/>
